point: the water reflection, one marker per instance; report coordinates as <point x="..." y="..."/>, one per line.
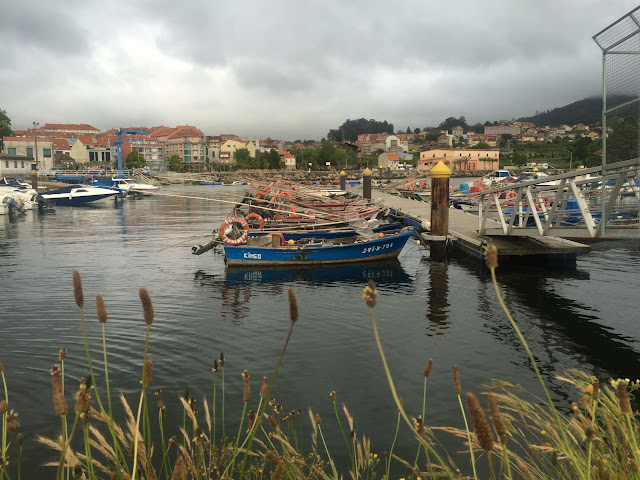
<point x="438" y="313"/>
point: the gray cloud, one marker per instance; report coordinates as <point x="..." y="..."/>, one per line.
<point x="294" y="69"/>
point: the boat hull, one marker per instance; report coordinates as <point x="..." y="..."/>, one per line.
<point x="77" y="195"/>
<point x="317" y="254"/>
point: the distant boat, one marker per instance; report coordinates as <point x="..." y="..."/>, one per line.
<point x="124" y="184"/>
<point x="77" y="195"/>
<point x="258" y="251"/>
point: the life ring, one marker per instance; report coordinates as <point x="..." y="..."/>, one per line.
<point x="510" y="194"/>
<point x="285" y="194"/>
<point x="546" y="201"/>
<point x="260" y="195"/>
<point x="282" y="241"/>
<point x="407" y="186"/>
<point x="292" y="212"/>
<point x="227" y="225"/>
<point x="424" y="185"/>
<point x="256" y="216"/>
<point x="478" y="183"/>
<point x="294" y="187"/>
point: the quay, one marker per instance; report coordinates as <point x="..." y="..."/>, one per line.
<point x="464" y="237"/>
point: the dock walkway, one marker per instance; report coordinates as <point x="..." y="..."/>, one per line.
<point x="463" y="232"/>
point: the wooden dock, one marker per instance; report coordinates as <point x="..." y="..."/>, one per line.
<point x="464" y="236"/>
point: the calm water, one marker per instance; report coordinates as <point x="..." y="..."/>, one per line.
<point x="584" y="317"/>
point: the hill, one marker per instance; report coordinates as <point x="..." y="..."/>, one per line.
<point x="587" y="111"/>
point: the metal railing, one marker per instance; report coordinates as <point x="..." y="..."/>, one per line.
<point x="579" y="204"/>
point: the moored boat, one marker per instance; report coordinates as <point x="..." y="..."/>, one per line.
<point x="77" y="195"/>
<point x="125" y="184"/>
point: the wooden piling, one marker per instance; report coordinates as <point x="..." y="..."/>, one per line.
<point x="440" y="174"/>
<point x="34" y="179"/>
<point x="343" y="180"/>
<point x="366" y="184"/>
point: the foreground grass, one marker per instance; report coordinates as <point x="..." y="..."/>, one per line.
<point x="526" y="437"/>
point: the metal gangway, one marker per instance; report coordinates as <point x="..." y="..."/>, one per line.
<point x="587" y="203"/>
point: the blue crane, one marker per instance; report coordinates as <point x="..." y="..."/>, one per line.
<point x="120" y="131"/>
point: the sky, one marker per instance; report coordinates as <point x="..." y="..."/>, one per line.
<point x="294" y="69"/>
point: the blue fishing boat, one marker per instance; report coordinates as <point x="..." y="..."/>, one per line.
<point x="337" y="234"/>
<point x="77" y="195"/>
<point x="252" y="253"/>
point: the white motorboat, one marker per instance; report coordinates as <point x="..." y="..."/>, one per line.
<point x="126" y="185"/>
<point x="77" y="195"/>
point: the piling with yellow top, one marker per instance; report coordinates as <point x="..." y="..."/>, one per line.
<point x="34" y="179"/>
<point x="440" y="174"/>
<point x="366" y="183"/>
<point x="343" y="180"/>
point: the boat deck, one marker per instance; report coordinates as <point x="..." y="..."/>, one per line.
<point x="463" y="231"/>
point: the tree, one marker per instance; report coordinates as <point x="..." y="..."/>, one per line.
<point x="135" y="159"/>
<point x="451" y="122"/>
<point x="416" y="131"/>
<point x="519" y="158"/>
<point x="273" y="159"/>
<point x="175" y="163"/>
<point x="408" y="130"/>
<point x="481" y="146"/>
<point x="350" y="129"/>
<point x="5" y="124"/>
<point x="243" y="158"/>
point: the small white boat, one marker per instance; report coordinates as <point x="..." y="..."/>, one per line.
<point x="23" y="198"/>
<point x="125" y="184"/>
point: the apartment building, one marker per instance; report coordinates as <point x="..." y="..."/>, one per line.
<point x="460" y="159"/>
<point x="26" y="147"/>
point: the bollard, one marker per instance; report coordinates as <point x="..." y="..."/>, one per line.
<point x="343" y="180"/>
<point x="439" y="210"/>
<point x="389" y="173"/>
<point x="366" y="184"/>
<point x="34" y="179"/>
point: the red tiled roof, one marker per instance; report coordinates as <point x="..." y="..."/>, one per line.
<point x="69" y="126"/>
<point x="186" y="131"/>
<point x="161" y="131"/>
<point x="26" y="139"/>
<point x="61" y="144"/>
<point x="392" y="156"/>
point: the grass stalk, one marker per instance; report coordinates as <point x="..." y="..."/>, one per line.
<point x="4" y="421"/>
<point x="333" y="466"/>
<point x="394" y="393"/>
<point x="213" y="410"/>
<point x="492" y="474"/>
<point x="65" y="446"/>
<point x="344" y="436"/>
<point x="87" y="452"/>
<point x="466" y="427"/>
<point x="224" y="434"/>
<point x="563" y="434"/>
<point x="506" y="461"/>
<point x="20" y="463"/>
<point x="134" y="471"/>
<point x="393" y="444"/>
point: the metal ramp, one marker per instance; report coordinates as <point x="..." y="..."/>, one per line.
<point x="588" y="203"/>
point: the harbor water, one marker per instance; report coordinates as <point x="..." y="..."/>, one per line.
<point x="581" y="316"/>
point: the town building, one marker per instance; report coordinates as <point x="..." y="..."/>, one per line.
<point x="41" y="155"/>
<point x="388" y="160"/>
<point x="502" y="130"/>
<point x="63" y="130"/>
<point x="289" y="160"/>
<point x="460" y="159"/>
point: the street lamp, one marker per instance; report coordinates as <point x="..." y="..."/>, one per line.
<point x="35" y="139"/>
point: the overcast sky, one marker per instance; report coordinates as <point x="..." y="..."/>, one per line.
<point x="295" y="69"/>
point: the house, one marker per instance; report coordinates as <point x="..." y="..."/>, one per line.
<point x="13" y="165"/>
<point x="460" y="159"/>
<point x="396" y="143"/>
<point x="288" y="159"/>
<point x="386" y="160"/>
<point x="26" y="147"/>
<point x="445" y="139"/>
<point x="457" y="131"/>
<point x="231" y="145"/>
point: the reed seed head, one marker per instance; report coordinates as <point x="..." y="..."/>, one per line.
<point x="4" y="407"/>
<point x="633" y="465"/>
<point x="456" y="381"/>
<point x="147" y="306"/>
<point x="179" y="470"/>
<point x="247" y="386"/>
<point x="101" y="309"/>
<point x="401" y="402"/>
<point x="264" y="387"/>
<point x="332" y="394"/>
<point x="77" y="289"/>
<point x="272" y="421"/>
<point x="370" y="294"/>
<point x="491" y="256"/>
<point x="20" y="440"/>
<point x="603" y="471"/>
<point x="158" y="394"/>
<point x="272" y="457"/>
<point x="215" y="366"/>
<point x="12" y="422"/>
<point x="623" y="398"/>
<point x="318" y="419"/>
<point x="77" y="471"/>
<point x="62" y="354"/>
<point x="498" y="422"/>
<point x="163" y="411"/>
<point x="59" y="403"/>
<point x="293" y="306"/>
<point x="147" y="372"/>
<point x="427" y="369"/>
<point x="596" y="389"/>
<point x="222" y="360"/>
<point x="480" y="424"/>
<point x="83" y="398"/>
<point x="252" y="419"/>
<point x="279" y="472"/>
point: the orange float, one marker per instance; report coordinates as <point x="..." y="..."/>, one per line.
<point x="228" y="223"/>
